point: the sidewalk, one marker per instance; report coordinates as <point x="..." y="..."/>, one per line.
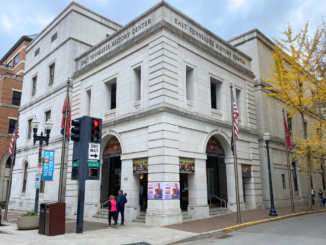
<point x="95" y="231"/>
<point x="223" y="221"/>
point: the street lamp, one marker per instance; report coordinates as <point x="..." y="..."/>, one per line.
<point x="41" y="138"/>
<point x="272" y="211"/>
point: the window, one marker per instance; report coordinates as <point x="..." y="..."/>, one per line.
<point x="113" y="95"/>
<point x="42" y="186"/>
<point x="54" y="37"/>
<point x="283" y="181"/>
<point x="107" y="35"/>
<point x="16" y="60"/>
<point x="137" y="83"/>
<point x="12" y="123"/>
<point x="16" y="98"/>
<point x="9" y="65"/>
<point x="34" y="80"/>
<point x="51" y="79"/>
<point x="37" y="51"/>
<point x="238" y="100"/>
<point x="295" y="180"/>
<point x="189" y="83"/>
<point x="25" y="178"/>
<point x="29" y="129"/>
<point x="216" y="94"/>
<point x="8" y="162"/>
<point x="289" y="119"/>
<point x="47" y="117"/>
<point x="88" y="102"/>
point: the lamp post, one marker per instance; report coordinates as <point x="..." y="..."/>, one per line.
<point x="272" y="211"/>
<point x="41" y="139"/>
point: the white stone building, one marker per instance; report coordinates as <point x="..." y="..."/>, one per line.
<point x="162" y="86"/>
<point x="49" y="61"/>
<point x="269" y="117"/>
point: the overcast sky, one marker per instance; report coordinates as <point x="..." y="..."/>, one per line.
<point x="226" y="18"/>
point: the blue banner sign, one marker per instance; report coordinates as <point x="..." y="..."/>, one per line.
<point x="48" y="165"/>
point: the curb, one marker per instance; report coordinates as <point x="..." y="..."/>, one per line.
<point x="220" y="232"/>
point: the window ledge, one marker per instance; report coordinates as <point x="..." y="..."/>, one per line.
<point x="28" y="142"/>
<point x="109" y="115"/>
<point x="217" y="114"/>
<point x="137" y="105"/>
<point x="50" y="87"/>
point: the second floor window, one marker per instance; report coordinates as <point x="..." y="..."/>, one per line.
<point x="29" y="132"/>
<point x="16" y="60"/>
<point x="37" y="51"/>
<point x="16" y="98"/>
<point x="47" y="117"/>
<point x="12" y="123"/>
<point x="34" y="85"/>
<point x="51" y="78"/>
<point x="9" y="65"/>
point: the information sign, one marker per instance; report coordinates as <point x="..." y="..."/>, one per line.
<point x="37" y="181"/>
<point x="94" y="151"/>
<point x="48" y="165"/>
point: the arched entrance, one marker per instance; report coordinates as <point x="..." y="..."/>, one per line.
<point x="216" y="171"/>
<point x="111" y="169"/>
<point x="4" y="176"/>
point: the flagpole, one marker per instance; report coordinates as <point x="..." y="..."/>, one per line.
<point x="235" y="159"/>
<point x="288" y="164"/>
<point x="63" y="143"/>
<point x="11" y="167"/>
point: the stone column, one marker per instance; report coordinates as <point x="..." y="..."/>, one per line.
<point x="232" y="204"/>
<point x="130" y="185"/>
<point x="163" y="167"/>
<point x="198" y="207"/>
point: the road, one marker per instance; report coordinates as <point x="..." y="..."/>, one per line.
<point x="301" y="230"/>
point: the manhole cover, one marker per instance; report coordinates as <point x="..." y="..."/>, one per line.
<point x="223" y="237"/>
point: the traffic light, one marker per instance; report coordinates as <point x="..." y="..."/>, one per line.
<point x="96" y="134"/>
<point x="75" y="130"/>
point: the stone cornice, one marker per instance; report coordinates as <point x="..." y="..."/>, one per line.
<point x="5" y="135"/>
<point x="44" y="95"/>
<point x="9" y="106"/>
<point x="151" y="30"/>
<point x="11" y="77"/>
<point x="52" y="141"/>
<point x="177" y="111"/>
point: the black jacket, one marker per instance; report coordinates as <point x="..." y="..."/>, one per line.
<point x="122" y="200"/>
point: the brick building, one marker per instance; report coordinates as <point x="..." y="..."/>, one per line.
<point x="12" y="66"/>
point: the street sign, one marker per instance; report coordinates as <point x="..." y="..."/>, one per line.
<point x="93" y="164"/>
<point x="75" y="164"/>
<point x="37" y="181"/>
<point x="94" y="151"/>
<point x="39" y="168"/>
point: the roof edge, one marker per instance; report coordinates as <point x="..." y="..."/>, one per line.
<point x="23" y="38"/>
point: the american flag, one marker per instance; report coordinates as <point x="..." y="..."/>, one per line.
<point x="13" y="139"/>
<point x="235" y="115"/>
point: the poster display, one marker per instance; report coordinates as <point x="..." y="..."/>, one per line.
<point x="48" y="165"/>
<point x="186" y="166"/>
<point x="163" y="191"/>
<point x="140" y="166"/>
<point x="246" y="170"/>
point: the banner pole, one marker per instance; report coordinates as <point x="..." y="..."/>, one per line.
<point x="63" y="143"/>
<point x="235" y="160"/>
<point x="11" y="167"/>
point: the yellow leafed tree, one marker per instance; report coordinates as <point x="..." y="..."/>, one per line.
<point x="294" y="75"/>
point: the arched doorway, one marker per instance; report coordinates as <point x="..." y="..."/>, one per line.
<point x="5" y="165"/>
<point x="111" y="169"/>
<point x="216" y="171"/>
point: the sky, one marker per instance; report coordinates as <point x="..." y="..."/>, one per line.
<point x="225" y="18"/>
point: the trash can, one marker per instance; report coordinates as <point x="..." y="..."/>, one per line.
<point x="55" y="220"/>
<point x="41" y="227"/>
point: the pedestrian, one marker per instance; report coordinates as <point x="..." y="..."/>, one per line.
<point x="141" y="191"/>
<point x="122" y="200"/>
<point x="145" y="194"/>
<point x="113" y="212"/>
<point x="320" y="197"/>
<point x="313" y="196"/>
<point x="125" y="194"/>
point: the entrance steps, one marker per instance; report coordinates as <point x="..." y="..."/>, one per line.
<point x="140" y="218"/>
<point x="99" y="214"/>
<point x="213" y="212"/>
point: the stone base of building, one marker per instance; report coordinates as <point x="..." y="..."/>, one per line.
<point x="163" y="219"/>
<point x="198" y="212"/>
<point x="287" y="203"/>
<point x="233" y="206"/>
<point x="131" y="213"/>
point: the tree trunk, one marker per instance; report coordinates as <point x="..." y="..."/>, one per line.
<point x="308" y="165"/>
<point x="322" y="156"/>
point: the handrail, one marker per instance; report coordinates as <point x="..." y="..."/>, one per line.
<point x="221" y="200"/>
<point x="6" y="65"/>
<point x="102" y="207"/>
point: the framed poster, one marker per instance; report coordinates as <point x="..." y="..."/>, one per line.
<point x="246" y="170"/>
<point x="186" y="166"/>
<point x="48" y="165"/>
<point x="163" y="191"/>
<point x="140" y="166"/>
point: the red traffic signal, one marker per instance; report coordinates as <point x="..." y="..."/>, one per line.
<point x="96" y="123"/>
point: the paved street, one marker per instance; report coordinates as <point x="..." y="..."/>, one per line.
<point x="302" y="230"/>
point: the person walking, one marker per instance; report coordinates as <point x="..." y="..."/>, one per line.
<point x="320" y="197"/>
<point x="113" y="212"/>
<point x="141" y="191"/>
<point x="122" y="200"/>
<point x="313" y="196"/>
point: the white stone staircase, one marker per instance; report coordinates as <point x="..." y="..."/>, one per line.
<point x="140" y="218"/>
<point x="217" y="211"/>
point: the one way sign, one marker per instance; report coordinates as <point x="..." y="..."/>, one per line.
<point x="94" y="151"/>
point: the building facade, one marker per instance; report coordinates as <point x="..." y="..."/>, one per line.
<point x="161" y="84"/>
<point x="12" y="67"/>
<point x="269" y="117"/>
<point x="49" y="61"/>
